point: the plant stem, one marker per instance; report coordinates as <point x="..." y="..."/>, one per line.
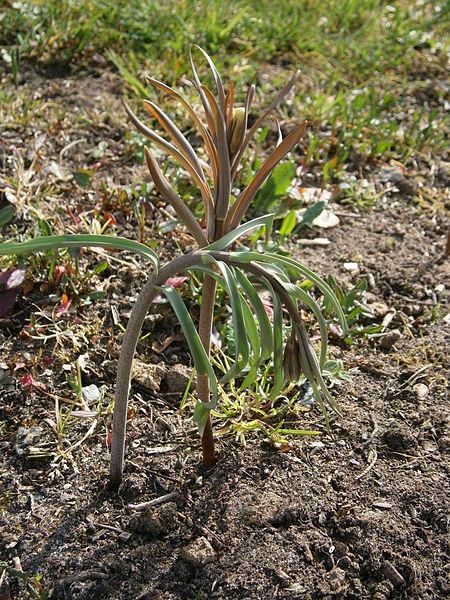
<point x="204" y="331"/>
<point x="127" y="352"/>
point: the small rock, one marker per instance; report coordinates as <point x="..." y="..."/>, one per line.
<point x="336" y="579"/>
<point x="353" y="267"/>
<point x="149" y="376"/>
<point x="421" y="390"/>
<point x="177" y="378"/>
<point x="326" y="219"/>
<point x="395" y="176"/>
<point x="91" y="394"/>
<point x="199" y="552"/>
<point x="390" y="338"/>
<point x="379" y="309"/>
<point x="382" y="505"/>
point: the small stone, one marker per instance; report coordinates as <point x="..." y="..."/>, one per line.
<point x="178" y="377"/>
<point x="199" y="552"/>
<point x="382" y="505"/>
<point x="336" y="579"/>
<point x="353" y="267"/>
<point x="379" y="309"/>
<point x="421" y="390"/>
<point x="91" y="394"/>
<point x="390" y="338"/>
<point x="124" y="536"/>
<point x="149" y="376"/>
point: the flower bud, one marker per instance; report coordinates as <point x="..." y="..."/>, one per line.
<point x="292" y="367"/>
<point x="238" y="126"/>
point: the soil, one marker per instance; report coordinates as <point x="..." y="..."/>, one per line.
<point x="359" y="512"/>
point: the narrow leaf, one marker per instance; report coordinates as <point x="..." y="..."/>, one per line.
<point x="212" y="153"/>
<point x="278" y="377"/>
<point x="232" y="236"/>
<point x="243" y="202"/>
<point x="260" y="120"/>
<point x="201" y="361"/>
<point x="175" y="134"/>
<point x="167" y="191"/>
<point x="40" y="244"/>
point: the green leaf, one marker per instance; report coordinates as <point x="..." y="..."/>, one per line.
<point x="382" y="146"/>
<point x="7" y="214"/>
<point x="40" y="244"/>
<point x="240" y="333"/>
<point x="276" y="186"/>
<point x="232" y="236"/>
<point x="278" y="377"/>
<point x="83" y="177"/>
<point x="304" y="297"/>
<point x="299" y="269"/>
<point x="288" y="223"/>
<point x="253" y="336"/>
<point x="312" y="213"/>
<point x="201" y="361"/>
<point x="265" y="328"/>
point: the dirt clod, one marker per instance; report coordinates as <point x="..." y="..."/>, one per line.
<point x="199" y="552"/>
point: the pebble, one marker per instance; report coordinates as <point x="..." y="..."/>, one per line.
<point x="336" y="579"/>
<point x="421" y="390"/>
<point x="199" y="552"/>
<point x="149" y="376"/>
<point x="91" y="394"/>
<point x="27" y="437"/>
<point x="380" y="309"/>
<point x="353" y="267"/>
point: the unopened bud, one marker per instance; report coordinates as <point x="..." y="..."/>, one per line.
<point x="292" y="367"/>
<point x="238" y="126"/>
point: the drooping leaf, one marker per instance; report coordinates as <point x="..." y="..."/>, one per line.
<point x="40" y="244"/>
<point x="278" y="377"/>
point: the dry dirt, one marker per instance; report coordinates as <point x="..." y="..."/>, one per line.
<point x="361" y="512"/>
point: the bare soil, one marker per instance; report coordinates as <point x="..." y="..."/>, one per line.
<point x="360" y="512"/>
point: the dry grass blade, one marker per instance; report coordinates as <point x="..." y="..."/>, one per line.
<point x="243" y="202"/>
<point x="169" y="194"/>
<point x="176" y="136"/>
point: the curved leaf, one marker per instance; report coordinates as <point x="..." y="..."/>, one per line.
<point x="299" y="269"/>
<point x="232" y="236"/>
<point x="40" y="244"/>
<point x="199" y="356"/>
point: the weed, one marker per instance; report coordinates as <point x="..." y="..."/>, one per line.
<point x="241" y="273"/>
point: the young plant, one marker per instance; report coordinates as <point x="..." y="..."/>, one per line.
<point x="226" y="135"/>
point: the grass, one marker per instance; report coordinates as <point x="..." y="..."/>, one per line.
<point x="358" y="59"/>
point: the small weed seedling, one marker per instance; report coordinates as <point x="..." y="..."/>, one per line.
<point x="240" y="272"/>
